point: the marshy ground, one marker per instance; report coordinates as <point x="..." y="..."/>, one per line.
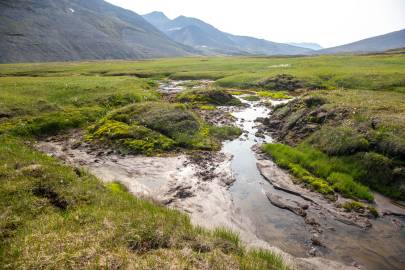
<point x="188" y="145"/>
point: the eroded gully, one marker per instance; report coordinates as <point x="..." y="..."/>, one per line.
<point x="238" y="196"/>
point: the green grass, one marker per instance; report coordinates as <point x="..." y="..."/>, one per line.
<point x="373" y="72"/>
<point x="321" y="172"/>
<point x="361" y="130"/>
<point x="53" y="216"/>
<point x="47" y="105"/>
<point x="355" y="206"/>
<point x="251" y="98"/>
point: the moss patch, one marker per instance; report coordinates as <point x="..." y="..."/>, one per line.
<point x="152" y="128"/>
<point x="274" y="95"/>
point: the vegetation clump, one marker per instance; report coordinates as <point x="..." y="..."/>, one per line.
<point x="354" y="129"/>
<point x="354" y="206"/>
<point x="281" y="82"/>
<point x="251" y="98"/>
<point x="321" y="172"/>
<point x="359" y="207"/>
<point x="339" y="141"/>
<point x="212" y="96"/>
<point x="55" y="218"/>
<point x="274" y="95"/>
<point x="156" y="127"/>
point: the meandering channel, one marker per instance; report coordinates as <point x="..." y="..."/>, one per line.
<point x="238" y="196"/>
<point x="379" y="247"/>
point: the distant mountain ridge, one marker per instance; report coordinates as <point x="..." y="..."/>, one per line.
<point x="205" y="37"/>
<point x="307" y="45"/>
<point x="65" y="30"/>
<point x="393" y="40"/>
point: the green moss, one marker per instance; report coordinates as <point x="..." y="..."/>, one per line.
<point x="373" y="211"/>
<point x="251" y="98"/>
<point x="274" y="95"/>
<point x="225" y="132"/>
<point x="130" y="138"/>
<point x="116" y="187"/>
<point x="207" y="107"/>
<point x="236" y="93"/>
<point x="151" y="128"/>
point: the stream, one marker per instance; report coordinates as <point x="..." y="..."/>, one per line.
<point x="237" y="196"/>
<point x="380" y="247"/>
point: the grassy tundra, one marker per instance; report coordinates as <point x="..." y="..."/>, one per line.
<point x="53" y="216"/>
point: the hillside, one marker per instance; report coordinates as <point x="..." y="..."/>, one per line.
<point x="62" y="30"/>
<point x="308" y="45"/>
<point x="196" y="33"/>
<point x="381" y="43"/>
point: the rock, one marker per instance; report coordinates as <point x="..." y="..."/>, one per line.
<point x="316" y="240"/>
<point x="260" y="134"/>
<point x="304" y="206"/>
<point x="274" y="124"/>
<point x="263" y="120"/>
<point x="312" y="251"/>
<point x="76" y="145"/>
<point x="355" y="264"/>
<point x="311" y="221"/>
<point x="286" y="204"/>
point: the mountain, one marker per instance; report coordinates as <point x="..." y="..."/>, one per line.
<point x="208" y="39"/>
<point x="381" y="43"/>
<point x="62" y="30"/>
<point x="307" y="45"/>
<point x="159" y="19"/>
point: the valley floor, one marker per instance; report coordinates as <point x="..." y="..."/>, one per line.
<point x="182" y="147"/>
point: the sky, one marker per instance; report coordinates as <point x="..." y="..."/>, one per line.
<point x="326" y="22"/>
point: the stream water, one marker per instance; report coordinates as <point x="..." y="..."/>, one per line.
<point x="380" y="247"/>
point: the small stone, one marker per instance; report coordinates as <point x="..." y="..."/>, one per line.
<point x="316" y="240"/>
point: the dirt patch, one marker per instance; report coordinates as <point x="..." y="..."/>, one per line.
<point x="54" y="198"/>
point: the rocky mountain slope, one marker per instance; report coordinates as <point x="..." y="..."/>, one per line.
<point x="205" y="37"/>
<point x="393" y="40"/>
<point x="308" y="45"/>
<point x="64" y="30"/>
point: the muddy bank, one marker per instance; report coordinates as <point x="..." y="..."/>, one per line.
<point x="241" y="189"/>
<point x="197" y="184"/>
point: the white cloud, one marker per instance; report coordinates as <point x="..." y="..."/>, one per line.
<point x="328" y="22"/>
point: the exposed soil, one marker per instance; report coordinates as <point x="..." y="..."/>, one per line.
<point x="211" y="188"/>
